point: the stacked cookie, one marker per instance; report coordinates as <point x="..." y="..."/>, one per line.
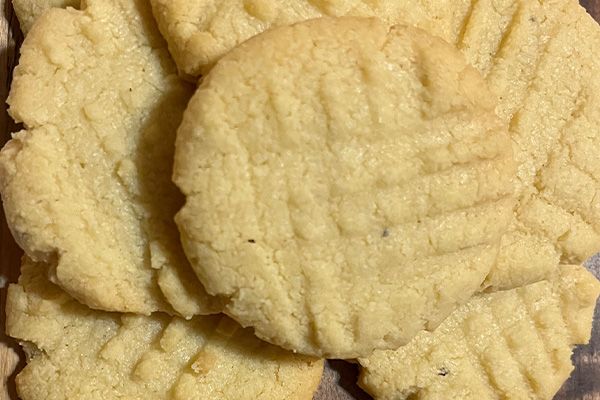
<point x="408" y="184"/>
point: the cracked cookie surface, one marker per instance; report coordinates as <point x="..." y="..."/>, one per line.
<point x="29" y="10"/>
<point x="81" y="354"/>
<point x="199" y="32"/>
<point x="529" y="53"/>
<point x="87" y="184"/>
<point x="343" y="194"/>
<point x="515" y="344"/>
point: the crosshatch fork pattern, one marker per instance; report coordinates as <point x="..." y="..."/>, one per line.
<point x="339" y="378"/>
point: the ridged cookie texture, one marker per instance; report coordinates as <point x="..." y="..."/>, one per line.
<point x="347" y="184"/>
<point x="537" y="57"/>
<point x="545" y="73"/>
<point x="199" y="32"/>
<point x="515" y="344"/>
<point x="87" y="184"/>
<point x="77" y="353"/>
<point x="29" y="10"/>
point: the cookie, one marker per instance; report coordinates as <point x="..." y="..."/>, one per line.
<point x="77" y="353"/>
<point x="87" y="184"/>
<point x="29" y="10"/>
<point x="529" y="53"/>
<point x="199" y="32"/>
<point x="520" y="46"/>
<point x="343" y="194"/>
<point x="515" y="344"/>
<point x="545" y="73"/>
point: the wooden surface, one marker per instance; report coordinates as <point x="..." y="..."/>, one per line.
<point x="339" y="379"/>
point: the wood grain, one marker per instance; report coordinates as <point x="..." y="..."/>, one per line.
<point x="339" y="379"/>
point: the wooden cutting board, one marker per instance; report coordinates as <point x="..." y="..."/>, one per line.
<point x="339" y="379"/>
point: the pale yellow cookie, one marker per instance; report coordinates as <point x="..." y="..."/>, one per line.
<point x="29" y="10"/>
<point x="80" y="354"/>
<point x="514" y="344"/>
<point x="347" y="184"/>
<point x="87" y="184"/>
<point x="530" y="52"/>
<point x="539" y="59"/>
<point x="544" y="70"/>
<point x="199" y="32"/>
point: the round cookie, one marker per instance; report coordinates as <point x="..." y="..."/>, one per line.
<point x="347" y="184"/>
<point x="80" y="354"/>
<point x="514" y="344"/>
<point x="87" y="185"/>
<point x="523" y="48"/>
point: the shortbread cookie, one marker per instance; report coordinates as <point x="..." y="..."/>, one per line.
<point x="199" y="32"/>
<point x="545" y="72"/>
<point x="524" y="48"/>
<point x="539" y="58"/>
<point x="515" y="344"/>
<point x="347" y="184"/>
<point x="87" y="185"/>
<point x="77" y="353"/>
<point x="29" y="10"/>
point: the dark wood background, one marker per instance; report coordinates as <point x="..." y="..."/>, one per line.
<point x="10" y="254"/>
<point x="339" y="379"/>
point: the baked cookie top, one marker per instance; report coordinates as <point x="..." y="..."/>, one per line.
<point x="513" y="344"/>
<point x="87" y="184"/>
<point x="347" y="184"/>
<point x="29" y="10"/>
<point x="545" y="74"/>
<point x="199" y="32"/>
<point x="81" y="354"/>
<point x="538" y="59"/>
